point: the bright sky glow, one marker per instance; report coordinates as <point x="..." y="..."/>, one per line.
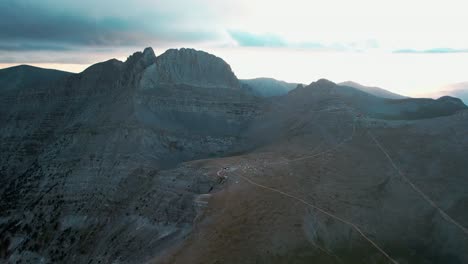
<point x="404" y="46"/>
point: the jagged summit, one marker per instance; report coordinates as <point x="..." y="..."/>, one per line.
<point x="141" y="60"/>
<point x="190" y="67"/>
<point x="149" y="50"/>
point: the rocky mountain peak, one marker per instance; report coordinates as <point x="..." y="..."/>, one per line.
<point x="191" y="67"/>
<point x="141" y="60"/>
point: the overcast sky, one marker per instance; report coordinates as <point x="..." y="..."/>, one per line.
<point x="401" y="45"/>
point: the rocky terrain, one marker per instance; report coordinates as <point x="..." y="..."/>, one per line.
<point x="167" y="159"/>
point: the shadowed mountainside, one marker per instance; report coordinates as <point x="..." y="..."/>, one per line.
<point x="167" y="159"/>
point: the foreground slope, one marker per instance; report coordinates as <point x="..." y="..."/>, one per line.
<point x="168" y="160"/>
<point x="329" y="182"/>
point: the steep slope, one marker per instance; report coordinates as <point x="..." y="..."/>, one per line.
<point x="267" y="87"/>
<point x="24" y="76"/>
<point x="373" y="90"/>
<point x="195" y="98"/>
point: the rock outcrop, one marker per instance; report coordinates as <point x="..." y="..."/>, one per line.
<point x="75" y="153"/>
<point x="191" y="67"/>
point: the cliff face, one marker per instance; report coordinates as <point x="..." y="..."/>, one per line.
<point x="194" y="98"/>
<point x="191" y="67"/>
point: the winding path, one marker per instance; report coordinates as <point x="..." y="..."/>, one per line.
<point x="416" y="189"/>
<point x="324" y="212"/>
<point x="220" y="172"/>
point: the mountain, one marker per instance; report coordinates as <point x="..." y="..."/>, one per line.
<point x="191" y="67"/>
<point x="167" y="159"/>
<point x="21" y="76"/>
<point x="459" y="90"/>
<point x="373" y="90"/>
<point x="266" y="87"/>
<point x="76" y="152"/>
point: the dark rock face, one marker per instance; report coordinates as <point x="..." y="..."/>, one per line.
<point x="75" y="153"/>
<point x="121" y="164"/>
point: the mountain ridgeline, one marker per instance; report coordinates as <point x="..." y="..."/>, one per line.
<point x="267" y="87"/>
<point x="172" y="159"/>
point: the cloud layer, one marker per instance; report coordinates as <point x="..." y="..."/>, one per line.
<point x="53" y="25"/>
<point x="432" y="51"/>
<point x="59" y="30"/>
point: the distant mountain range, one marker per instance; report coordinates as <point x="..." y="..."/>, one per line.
<point x="267" y="87"/>
<point x="24" y="75"/>
<point x="172" y="159"/>
<point x="459" y="90"/>
<point x="373" y="90"/>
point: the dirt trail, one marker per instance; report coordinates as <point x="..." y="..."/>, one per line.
<point x="322" y="211"/>
<point x="221" y="172"/>
<point x="415" y="188"/>
<point x="319" y="153"/>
